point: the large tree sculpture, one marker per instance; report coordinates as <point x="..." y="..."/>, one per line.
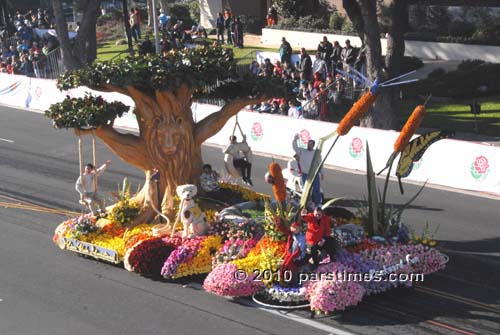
<point x="365" y="17"/>
<point x="162" y="88"/>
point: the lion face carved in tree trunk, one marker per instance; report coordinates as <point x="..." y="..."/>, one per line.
<point x="171" y="146"/>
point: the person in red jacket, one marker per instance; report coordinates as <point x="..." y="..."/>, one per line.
<point x="295" y="255"/>
<point x="319" y="234"/>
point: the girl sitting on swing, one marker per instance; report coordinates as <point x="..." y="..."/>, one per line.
<point x="239" y="151"/>
<point x="86" y="186"/>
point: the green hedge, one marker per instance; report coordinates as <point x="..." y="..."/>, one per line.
<point x="472" y="79"/>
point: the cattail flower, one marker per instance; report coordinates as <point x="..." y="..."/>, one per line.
<point x="279" y="187"/>
<point x="409" y="128"/>
<point x="357" y="111"/>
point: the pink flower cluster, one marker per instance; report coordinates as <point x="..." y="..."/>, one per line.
<point x="183" y="253"/>
<point x="223" y="281"/>
<point x="333" y="294"/>
<point x="430" y="260"/>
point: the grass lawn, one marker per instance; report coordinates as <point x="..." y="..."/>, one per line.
<point x="457" y="115"/>
<point x="108" y="50"/>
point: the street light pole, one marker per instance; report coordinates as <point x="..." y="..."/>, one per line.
<point x="155" y="27"/>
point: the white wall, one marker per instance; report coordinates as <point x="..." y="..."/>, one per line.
<point x="208" y="12"/>
<point x="459" y="164"/>
<point x="425" y="50"/>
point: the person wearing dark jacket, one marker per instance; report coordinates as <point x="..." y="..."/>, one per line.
<point x="305" y="65"/>
<point x="285" y="51"/>
<point x="220" y="28"/>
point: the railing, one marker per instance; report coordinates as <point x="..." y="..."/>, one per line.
<point x="51" y="66"/>
<point x="243" y="63"/>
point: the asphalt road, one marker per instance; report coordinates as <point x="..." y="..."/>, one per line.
<point x="45" y="291"/>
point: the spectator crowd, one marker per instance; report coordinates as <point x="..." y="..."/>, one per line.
<point x="321" y="89"/>
<point x="24" y="52"/>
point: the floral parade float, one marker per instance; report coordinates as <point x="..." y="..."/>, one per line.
<point x="242" y="249"/>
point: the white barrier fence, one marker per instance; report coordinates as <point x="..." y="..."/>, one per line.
<point x="453" y="163"/>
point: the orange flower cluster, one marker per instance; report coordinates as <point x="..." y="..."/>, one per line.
<point x="266" y="243"/>
<point x="410" y="128"/>
<point x="114" y="229"/>
<point x="136" y="238"/>
<point x="357" y="111"/>
<point x="279" y="188"/>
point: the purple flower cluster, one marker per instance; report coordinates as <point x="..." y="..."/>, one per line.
<point x="183" y="253"/>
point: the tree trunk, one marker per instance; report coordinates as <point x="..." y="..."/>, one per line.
<point x="169" y="140"/>
<point x="363" y="13"/>
<point x="126" y="22"/>
<point x="164" y="5"/>
<point x="150" y="13"/>
<point x="84" y="48"/>
<point x="69" y="60"/>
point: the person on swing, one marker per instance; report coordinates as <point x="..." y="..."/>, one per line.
<point x="86" y="186"/>
<point x="239" y="151"/>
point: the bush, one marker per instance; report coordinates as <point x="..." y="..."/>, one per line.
<point x="461" y="29"/>
<point x="410" y="63"/>
<point x="474" y="81"/>
<point x="251" y="24"/>
<point x="180" y="13"/>
<point x="439" y="72"/>
<point x="470" y="64"/>
<point x="289" y="8"/>
<point x="336" y="21"/>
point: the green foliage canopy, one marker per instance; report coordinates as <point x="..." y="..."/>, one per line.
<point x="84" y="113"/>
<point x="209" y="72"/>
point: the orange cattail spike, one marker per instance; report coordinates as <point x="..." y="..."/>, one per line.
<point x="279" y="187"/>
<point x="409" y="128"/>
<point x="357" y="111"/>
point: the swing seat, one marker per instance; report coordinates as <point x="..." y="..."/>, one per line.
<point x="228" y="163"/>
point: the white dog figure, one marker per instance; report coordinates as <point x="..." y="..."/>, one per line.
<point x="191" y="216"/>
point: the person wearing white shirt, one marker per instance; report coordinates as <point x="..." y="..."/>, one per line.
<point x="86" y="186"/>
<point x="306" y="158"/>
<point x="239" y="152"/>
<point x="319" y="66"/>
<point x="293" y="111"/>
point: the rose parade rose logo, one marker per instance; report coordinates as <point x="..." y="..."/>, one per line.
<point x="38" y="91"/>
<point x="304" y="136"/>
<point x="480" y="168"/>
<point x="257" y="132"/>
<point x="356" y="148"/>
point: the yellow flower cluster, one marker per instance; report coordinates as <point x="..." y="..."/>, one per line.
<point x="110" y="242"/>
<point x="140" y="229"/>
<point x="268" y="259"/>
<point x="202" y="262"/>
<point x="210" y="214"/>
<point x="246" y="193"/>
<point x="425" y="240"/>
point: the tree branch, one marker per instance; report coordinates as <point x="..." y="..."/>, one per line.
<point x="145" y="107"/>
<point x="110" y="88"/>
<point x="128" y="147"/>
<point x="214" y="122"/>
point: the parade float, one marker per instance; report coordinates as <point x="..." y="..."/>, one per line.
<point x="167" y="230"/>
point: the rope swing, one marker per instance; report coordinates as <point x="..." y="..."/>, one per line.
<point x="82" y="168"/>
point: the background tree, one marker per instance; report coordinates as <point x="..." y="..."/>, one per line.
<point x="83" y="50"/>
<point x="364" y="16"/>
<point x="162" y="88"/>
